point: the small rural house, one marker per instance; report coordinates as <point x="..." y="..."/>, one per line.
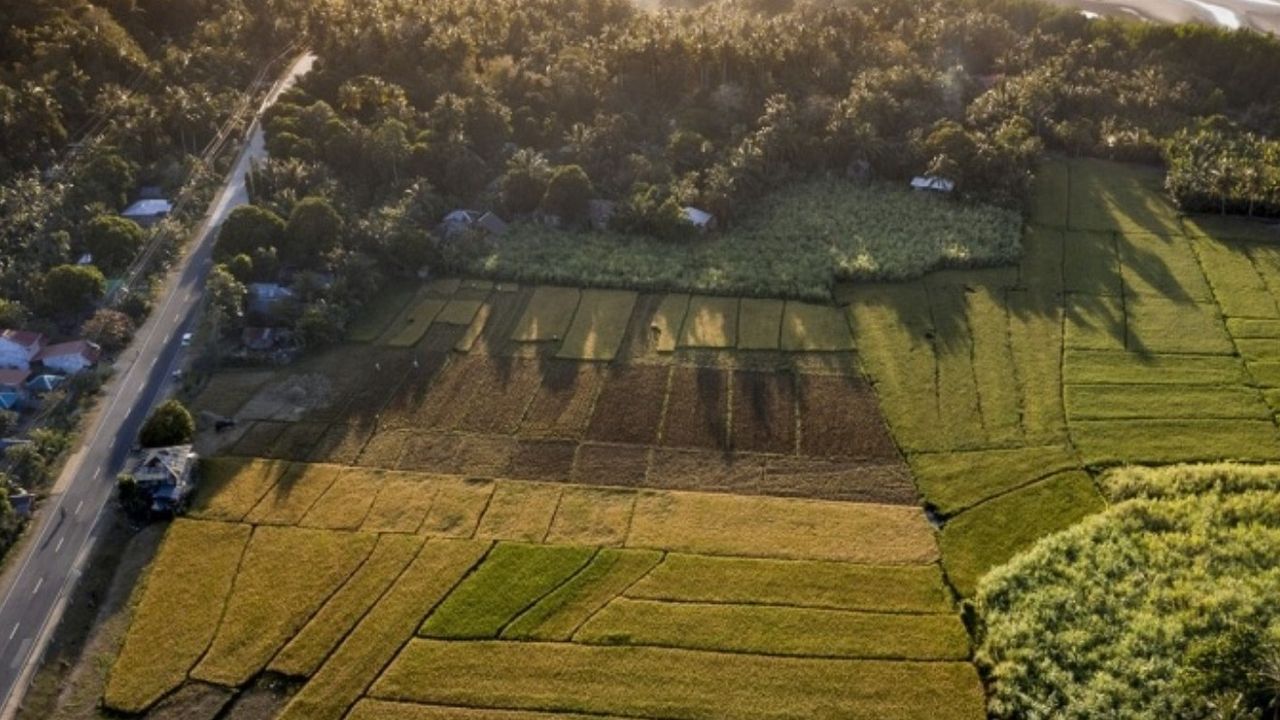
<point x="18" y="348"/>
<point x="148" y="212"/>
<point x="13" y="389"/>
<point x="22" y="502"/>
<point x="932" y="183"/>
<point x="263" y="297"/>
<point x="70" y="358"/>
<point x="44" y="384"/>
<point x="164" y="475"/>
<point x="700" y="219"/>
<point x="460" y="220"/>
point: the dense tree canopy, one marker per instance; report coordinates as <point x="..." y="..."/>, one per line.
<point x="169" y="424"/>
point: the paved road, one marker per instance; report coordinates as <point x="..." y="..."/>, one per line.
<point x="68" y="524"/>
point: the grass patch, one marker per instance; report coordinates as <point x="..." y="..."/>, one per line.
<point x="1119" y="402"/>
<point x="795" y="583"/>
<point x="1119" y="368"/>
<point x="558" y="615"/>
<point x="383" y="710"/>
<point x="990" y="534"/>
<point x="475" y="330"/>
<point x="304" y="654"/>
<point x="548" y="314"/>
<point x="1159" y="325"/>
<point x="459" y="312"/>
<point x="612" y="465"/>
<point x="375" y="316"/>
<point x="781" y="528"/>
<point x="599" y="326"/>
<point x="953" y="482"/>
<point x="993" y="365"/>
<point x="1105" y="442"/>
<point x="771" y="630"/>
<point x="1096" y="323"/>
<point x="1049" y="194"/>
<point x="815" y="328"/>
<point x="401" y="504"/>
<point x="380" y="634"/>
<point x="668" y="321"/>
<point x="1121" y="197"/>
<point x="519" y="511"/>
<point x="285" y="577"/>
<point x="510" y="580"/>
<point x="157" y="651"/>
<point x="1236" y="284"/>
<point x="629" y="408"/>
<point x="1035" y="339"/>
<point x="658" y="682"/>
<point x="346" y="503"/>
<point x="545" y="460"/>
<point x="1242" y="328"/>
<point x="231" y="487"/>
<point x="1162" y="266"/>
<point x="227" y="391"/>
<point x="293" y="494"/>
<point x="959" y="405"/>
<point x="457" y="507"/>
<point x="592" y="516"/>
<point x="407" y="329"/>
<point x="712" y="322"/>
<point x="1259" y="349"/>
<point x="1091" y="265"/>
<point x="759" y="324"/>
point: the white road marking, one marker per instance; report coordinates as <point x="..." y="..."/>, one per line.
<point x="14" y="631"/>
<point x="39" y="583"/>
<point x="97" y="472"/>
<point x="59" y="545"/>
<point x="154" y="361"/>
<point x="78" y="506"/>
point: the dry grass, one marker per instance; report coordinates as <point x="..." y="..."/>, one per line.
<point x="158" y="652"/>
<point x="303" y="655"/>
<point x="346" y="503"/>
<point x="667" y="322"/>
<point x="227" y="392"/>
<point x="549" y="460"/>
<point x="231" y="487"/>
<point x="372" y="320"/>
<point x="259" y="438"/>
<point x="293" y="494"/>
<point x="771" y="630"/>
<point x="459" y="312"/>
<point x="612" y="465"/>
<point x="599" y="326"/>
<point x="381" y="633"/>
<point x="629" y="408"/>
<point x="284" y="578"/>
<point x="815" y="328"/>
<point x="697" y="409"/>
<point x="548" y="314"/>
<point x="839" y="417"/>
<point x="558" y="615"/>
<point x="759" y="324"/>
<point x="519" y="511"/>
<point x="657" y="682"/>
<point x="796" y="583"/>
<point x="475" y="330"/>
<point x="712" y="322"/>
<point x="781" y="528"/>
<point x="383" y="710"/>
<point x="592" y="516"/>
<point x="497" y="391"/>
<point x="409" y="327"/>
<point x="340" y="444"/>
<point x="886" y="482"/>
<point x="705" y="470"/>
<point x="562" y="405"/>
<point x="764" y="412"/>
<point x="402" y="503"/>
<point x="457" y="507"/>
<point x="383" y="450"/>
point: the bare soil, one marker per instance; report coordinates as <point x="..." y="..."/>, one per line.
<point x="764" y="412"/>
<point x="630" y="405"/>
<point x="839" y="417"/>
<point x="697" y="409"/>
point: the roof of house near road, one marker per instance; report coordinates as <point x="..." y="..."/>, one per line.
<point x="23" y="338"/>
<point x="492" y="224"/>
<point x="90" y="351"/>
<point x="462" y="217"/>
<point x="269" y="291"/>
<point x="699" y="218"/>
<point x="14" y="378"/>
<point x="45" y="383"/>
<point x="85" y="259"/>
<point x="163" y="465"/>
<point x="22" y="502"/>
<point x="148" y="208"/>
<point x="933" y="183"/>
<point x="260" y="338"/>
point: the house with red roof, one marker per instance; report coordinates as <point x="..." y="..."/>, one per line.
<point x="13" y="388"/>
<point x="19" y="348"/>
<point x="70" y="357"/>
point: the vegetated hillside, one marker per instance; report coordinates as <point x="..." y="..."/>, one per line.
<point x="1162" y="606"/>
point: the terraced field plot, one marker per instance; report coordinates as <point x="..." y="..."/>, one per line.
<point x="625" y="602"/>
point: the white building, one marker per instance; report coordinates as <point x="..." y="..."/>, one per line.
<point x="18" y="348"/>
<point x="148" y="212"/>
<point x="700" y="219"/>
<point x="932" y="183"/>
<point x="70" y="357"/>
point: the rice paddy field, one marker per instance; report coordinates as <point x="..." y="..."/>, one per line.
<point x="524" y="503"/>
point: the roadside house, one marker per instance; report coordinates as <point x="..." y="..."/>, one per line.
<point x="461" y="220"/>
<point x="148" y="212"/>
<point x="932" y="183"/>
<point x="22" y="502"/>
<point x="19" y="347"/>
<point x="164" y="475"/>
<point x="13" y="389"/>
<point x="44" y="384"/>
<point x="70" y="358"/>
<point x="264" y="297"/>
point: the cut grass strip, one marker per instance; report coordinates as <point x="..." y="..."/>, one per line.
<point x="457" y="507"/>
<point x="712" y="322"/>
<point x="1267" y="374"/>
<point x="303" y="655"/>
<point x="382" y="710"/>
<point x="372" y="320"/>
<point x="993" y="365"/>
<point x="548" y="314"/>
<point x="293" y="494"/>
<point x="1049" y="194"/>
<point x="511" y="579"/>
<point x="1035" y="339"/>
<point x="519" y="511"/>
<point x="599" y="326"/>
<point x="459" y="312"/>
<point x="1259" y="349"/>
<point x="559" y="614"/>
<point x="408" y="329"/>
<point x="592" y="516"/>
<point x="1159" y="325"/>
<point x="1040" y="270"/>
<point x="668" y="321"/>
<point x="759" y="324"/>
<point x="990" y="534"/>
<point x="1237" y="286"/>
<point x="158" y="652"/>
<point x="380" y="634"/>
<point x="231" y="487"/>
<point x="285" y="577"/>
<point x="1121" y="368"/>
<point x="475" y="330"/>
<point x="1095" y="323"/>
<point x="1104" y="442"/>
<point x="772" y="630"/>
<point x="1090" y="264"/>
<point x="782" y="528"/>
<point x="401" y="504"/>
<point x="797" y="583"/>
<point x="952" y="482"/>
<point x="1253" y="328"/>
<point x="815" y="328"/>
<point x="347" y="501"/>
<point x="1163" y="266"/>
<point x="1118" y="402"/>
<point x="665" y="683"/>
<point x="443" y="287"/>
<point x="959" y="411"/>
<point x="1123" y="197"/>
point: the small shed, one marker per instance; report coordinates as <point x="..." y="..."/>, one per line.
<point x="700" y="219"/>
<point x="23" y="503"/>
<point x="70" y="357"/>
<point x="13" y="388"/>
<point x="263" y="297"/>
<point x="932" y="183"/>
<point x="148" y="212"/>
